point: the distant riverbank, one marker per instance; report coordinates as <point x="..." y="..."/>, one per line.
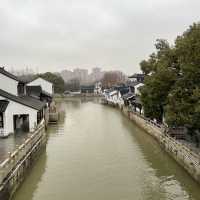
<point x="76" y="95"/>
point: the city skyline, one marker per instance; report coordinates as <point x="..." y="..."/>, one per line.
<point x="84" y="76"/>
<point x="30" y="70"/>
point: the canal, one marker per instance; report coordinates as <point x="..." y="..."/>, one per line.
<point x="95" y="153"/>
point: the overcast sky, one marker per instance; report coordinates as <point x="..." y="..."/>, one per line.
<point x="53" y="35"/>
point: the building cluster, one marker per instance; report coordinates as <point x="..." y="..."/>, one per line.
<point x="83" y="75"/>
<point x="22" y="105"/>
<point x="86" y="78"/>
<point x="126" y="94"/>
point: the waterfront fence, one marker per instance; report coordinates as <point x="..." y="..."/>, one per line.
<point x="22" y="151"/>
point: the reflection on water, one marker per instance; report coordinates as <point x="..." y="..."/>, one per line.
<point x="95" y="153"/>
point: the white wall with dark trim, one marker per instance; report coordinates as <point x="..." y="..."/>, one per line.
<point x="15" y="108"/>
<point x="46" y="86"/>
<point x="9" y="85"/>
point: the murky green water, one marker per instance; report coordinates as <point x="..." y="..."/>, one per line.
<point x="95" y="153"/>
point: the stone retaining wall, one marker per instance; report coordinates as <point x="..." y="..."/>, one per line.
<point x="188" y="159"/>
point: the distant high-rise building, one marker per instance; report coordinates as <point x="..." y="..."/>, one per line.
<point x="85" y="78"/>
<point x="96" y="74"/>
<point x="81" y="75"/>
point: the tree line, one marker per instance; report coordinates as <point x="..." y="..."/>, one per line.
<point x="172" y="81"/>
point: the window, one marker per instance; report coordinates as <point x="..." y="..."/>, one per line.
<point x="39" y="116"/>
<point x="20" y="89"/>
<point x="1" y="120"/>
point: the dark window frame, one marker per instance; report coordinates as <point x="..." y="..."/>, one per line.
<point x="40" y="116"/>
<point x="1" y="120"/>
<point x="20" y="89"/>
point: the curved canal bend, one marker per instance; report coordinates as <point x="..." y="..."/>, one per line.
<point x="95" y="153"/>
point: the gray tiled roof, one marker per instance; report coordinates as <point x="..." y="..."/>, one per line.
<point x="24" y="100"/>
<point x="129" y="95"/>
<point x="35" y="103"/>
<point x="137" y="76"/>
<point x="123" y="90"/>
<point x="8" y="74"/>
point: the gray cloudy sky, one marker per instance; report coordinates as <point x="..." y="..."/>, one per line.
<point x="113" y="34"/>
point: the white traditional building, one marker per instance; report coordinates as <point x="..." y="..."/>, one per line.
<point x="10" y="83"/>
<point x="98" y="88"/>
<point x="136" y="82"/>
<point x="121" y="92"/>
<point x="47" y="87"/>
<point x="115" y="95"/>
<point x="137" y="88"/>
<point x="112" y="97"/>
<point x="17" y="110"/>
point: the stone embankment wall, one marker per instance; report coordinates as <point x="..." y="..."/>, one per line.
<point x="15" y="167"/>
<point x="187" y="158"/>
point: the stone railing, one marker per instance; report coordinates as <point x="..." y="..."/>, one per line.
<point x="187" y="152"/>
<point x="187" y="158"/>
<point x="149" y="121"/>
<point x="22" y="151"/>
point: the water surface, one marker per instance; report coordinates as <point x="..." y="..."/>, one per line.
<point x="95" y="153"/>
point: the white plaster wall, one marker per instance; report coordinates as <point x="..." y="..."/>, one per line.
<point x="120" y="100"/>
<point x="114" y="98"/>
<point x="46" y="86"/>
<point x="137" y="109"/>
<point x="7" y="84"/>
<point x="18" y="109"/>
<point x="137" y="88"/>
